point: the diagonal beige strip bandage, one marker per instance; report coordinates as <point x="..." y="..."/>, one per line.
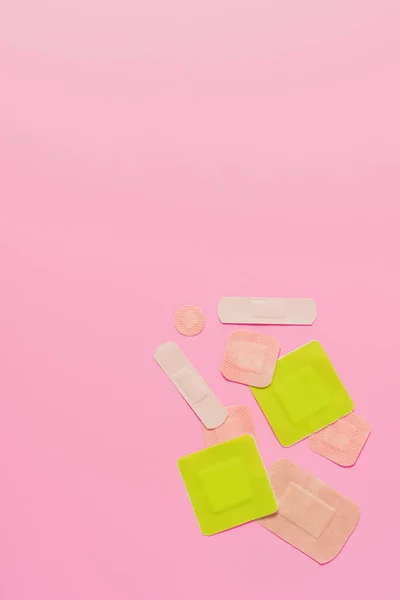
<point x="342" y="441"/>
<point x="267" y="311"/>
<point x="312" y="517"/>
<point x="191" y="385"/>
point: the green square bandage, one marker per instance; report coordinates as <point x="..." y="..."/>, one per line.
<point x="227" y="485"/>
<point x="305" y="395"/>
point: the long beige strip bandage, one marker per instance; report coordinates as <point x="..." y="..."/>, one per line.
<point x="267" y="311"/>
<point x="312" y="516"/>
<point x="191" y="385"/>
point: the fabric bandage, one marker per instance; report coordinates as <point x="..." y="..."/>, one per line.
<point x="342" y="441"/>
<point x="239" y="422"/>
<point x="189" y="320"/>
<point x="250" y="358"/>
<point x="312" y="517"/>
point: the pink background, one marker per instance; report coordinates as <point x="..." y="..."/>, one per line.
<point x="155" y="153"/>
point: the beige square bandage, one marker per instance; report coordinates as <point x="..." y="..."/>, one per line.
<point x="239" y="422"/>
<point x="250" y="358"/>
<point x="191" y="385"/>
<point x="312" y="517"/>
<point x="267" y="311"/>
<point x="342" y="441"/>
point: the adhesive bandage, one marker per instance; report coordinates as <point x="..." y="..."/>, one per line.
<point x="305" y="395"/>
<point x="189" y="320"/>
<point x="250" y="358"/>
<point x="191" y="385"/>
<point x="267" y="311"/>
<point x="342" y="441"/>
<point x="312" y="517"/>
<point x="239" y="422"/>
<point x="227" y="485"/>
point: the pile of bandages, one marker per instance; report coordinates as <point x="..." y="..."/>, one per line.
<point x="301" y="396"/>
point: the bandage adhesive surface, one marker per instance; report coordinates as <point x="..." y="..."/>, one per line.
<point x="191" y="385"/>
<point x="305" y="395"/>
<point x="239" y="422"/>
<point x="250" y="358"/>
<point x="227" y="485"/>
<point x="342" y="441"/>
<point x="267" y="311"/>
<point x="312" y="516"/>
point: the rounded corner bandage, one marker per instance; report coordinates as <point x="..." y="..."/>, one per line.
<point x="312" y="517"/>
<point x="267" y="311"/>
<point x="189" y="320"/>
<point x="227" y="485"/>
<point x="190" y="385"/>
<point x="305" y="395"/>
<point x="250" y="358"/>
<point x="239" y="422"/>
<point x="342" y="441"/>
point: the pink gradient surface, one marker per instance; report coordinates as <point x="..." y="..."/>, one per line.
<point x="159" y="153"/>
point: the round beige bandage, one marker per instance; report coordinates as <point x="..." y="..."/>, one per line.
<point x="189" y="320"/>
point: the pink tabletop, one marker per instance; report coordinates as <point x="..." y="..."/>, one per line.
<point x="154" y="154"/>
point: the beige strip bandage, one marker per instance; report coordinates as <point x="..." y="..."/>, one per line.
<point x="191" y="385"/>
<point x="267" y="311"/>
<point x="342" y="441"/>
<point x="312" y="517"/>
